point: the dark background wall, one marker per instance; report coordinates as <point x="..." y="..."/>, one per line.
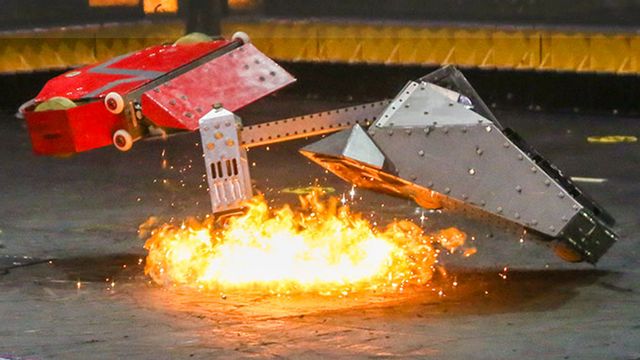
<point x="28" y="14"/>
<point x="530" y="12"/>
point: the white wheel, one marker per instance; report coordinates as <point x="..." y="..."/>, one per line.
<point x="242" y="36"/>
<point x="114" y="102"/>
<point x="122" y="140"/>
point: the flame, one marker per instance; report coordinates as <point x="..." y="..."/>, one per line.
<point x="323" y="247"/>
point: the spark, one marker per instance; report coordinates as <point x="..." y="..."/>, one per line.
<point x="323" y="248"/>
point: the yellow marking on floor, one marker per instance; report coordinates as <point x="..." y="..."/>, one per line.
<point x="611" y="139"/>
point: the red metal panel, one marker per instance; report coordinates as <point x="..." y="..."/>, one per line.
<point x="234" y="80"/>
<point x="78" y="129"/>
<point x="126" y="73"/>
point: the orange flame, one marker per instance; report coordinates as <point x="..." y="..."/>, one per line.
<point x="323" y="248"/>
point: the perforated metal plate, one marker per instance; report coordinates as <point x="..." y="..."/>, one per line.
<point x="225" y="160"/>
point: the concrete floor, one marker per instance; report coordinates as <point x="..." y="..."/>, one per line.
<point x="64" y="221"/>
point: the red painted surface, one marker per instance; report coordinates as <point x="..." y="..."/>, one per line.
<point x="79" y="83"/>
<point x="234" y="80"/>
<point x="77" y="129"/>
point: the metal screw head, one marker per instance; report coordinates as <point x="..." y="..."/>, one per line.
<point x="552" y="228"/>
<point x="472" y="172"/>
<point x="421" y="152"/>
<point x="518" y="188"/>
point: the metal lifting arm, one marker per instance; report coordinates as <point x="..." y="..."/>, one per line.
<point x="311" y="125"/>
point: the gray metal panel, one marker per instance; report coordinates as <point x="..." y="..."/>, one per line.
<point x="425" y="104"/>
<point x="477" y="164"/>
<point x="352" y="143"/>
<point x="225" y="160"/>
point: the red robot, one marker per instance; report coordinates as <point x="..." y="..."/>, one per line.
<point x="151" y="92"/>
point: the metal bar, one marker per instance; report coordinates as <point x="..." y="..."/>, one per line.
<point x="311" y="125"/>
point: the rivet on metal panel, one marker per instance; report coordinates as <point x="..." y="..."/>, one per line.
<point x="414" y="178"/>
<point x="483" y="203"/>
<point x="430" y="184"/>
<point x="575" y="207"/>
<point x="465" y="196"/>
<point x="447" y="190"/>
<point x="218" y="135"/>
<point x="472" y="171"/>
<point x="227" y="124"/>
<point x="499" y="209"/>
<point x="534" y="222"/>
<point x="421" y="152"/>
<point x="552" y="228"/>
<point x="211" y="146"/>
<point x="479" y="151"/>
<point x="516" y="215"/>
<point x="547" y="182"/>
<point x="505" y="145"/>
<point x="565" y="219"/>
<point x="518" y="188"/>
<point x="534" y="170"/>
<point x="230" y="142"/>
<point x="520" y="157"/>
<point x="408" y="131"/>
<point x="445" y="130"/>
<point x="488" y="128"/>
<point x="561" y="195"/>
<point x="427" y="130"/>
<point x="464" y="130"/>
<point x="390" y="132"/>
